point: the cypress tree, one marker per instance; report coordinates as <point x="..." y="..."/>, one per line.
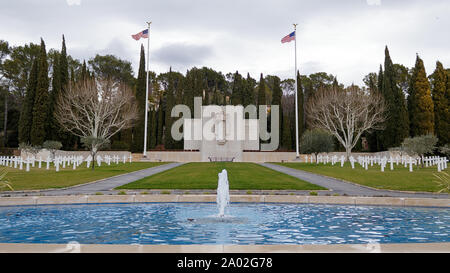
<point x="40" y="108"/>
<point x="189" y="90"/>
<point x="301" y="112"/>
<point x="421" y="108"/>
<point x="170" y="103"/>
<point x="152" y="129"/>
<point x="261" y="92"/>
<point x="160" y="121"/>
<point x="26" y="115"/>
<point x="84" y="71"/>
<point x="53" y="125"/>
<point x="236" y="95"/>
<point x="63" y="66"/>
<point x="66" y="139"/>
<point x="277" y="94"/>
<point x="138" y="130"/>
<point x="440" y="97"/>
<point x="248" y="96"/>
<point x="179" y="87"/>
<point x="286" y="135"/>
<point x="397" y="123"/>
<point x="375" y="137"/>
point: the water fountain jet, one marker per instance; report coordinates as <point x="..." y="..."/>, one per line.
<point x="223" y="192"/>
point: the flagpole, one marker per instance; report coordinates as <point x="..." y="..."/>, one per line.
<point x="297" y="156"/>
<point x="146" y="93"/>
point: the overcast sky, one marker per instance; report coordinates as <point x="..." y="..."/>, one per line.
<point x="345" y="38"/>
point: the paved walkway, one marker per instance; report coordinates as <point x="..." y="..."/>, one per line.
<point x="103" y="185"/>
<point x="341" y="187"/>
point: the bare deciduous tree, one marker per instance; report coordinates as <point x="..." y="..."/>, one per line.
<point x="96" y="109"/>
<point x="346" y="114"/>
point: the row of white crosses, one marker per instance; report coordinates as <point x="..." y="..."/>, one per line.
<point x="60" y="161"/>
<point x="365" y="161"/>
<point x="325" y="159"/>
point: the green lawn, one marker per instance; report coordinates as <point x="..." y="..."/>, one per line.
<point x="400" y="178"/>
<point x="45" y="179"/>
<point x="242" y="176"/>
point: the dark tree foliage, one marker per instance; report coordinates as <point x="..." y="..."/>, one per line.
<point x="277" y="93"/>
<point x="109" y="66"/>
<point x="40" y="108"/>
<point x="248" y="93"/>
<point x="441" y="94"/>
<point x="421" y="111"/>
<point x="138" y="130"/>
<point x="26" y="115"/>
<point x="300" y="105"/>
<point x="397" y="123"/>
<point x="53" y="126"/>
<point x="170" y="103"/>
<point x="261" y="92"/>
<point x="238" y="86"/>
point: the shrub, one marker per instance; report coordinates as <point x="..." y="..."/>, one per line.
<point x="52" y="146"/>
<point x="316" y="141"/>
<point x="314" y="193"/>
<point x="420" y="144"/>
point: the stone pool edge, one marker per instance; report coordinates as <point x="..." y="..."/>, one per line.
<point x="165" y="198"/>
<point x="334" y="248"/>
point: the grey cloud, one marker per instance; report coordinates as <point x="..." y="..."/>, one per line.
<point x="181" y="55"/>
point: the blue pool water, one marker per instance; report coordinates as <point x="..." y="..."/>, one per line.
<point x="246" y="223"/>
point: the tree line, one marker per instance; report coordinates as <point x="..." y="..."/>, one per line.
<point x="32" y="78"/>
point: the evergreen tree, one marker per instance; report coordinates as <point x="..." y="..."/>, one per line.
<point x="380" y="79"/>
<point x="215" y="99"/>
<point x="286" y="135"/>
<point x="170" y="103"/>
<point x="441" y="92"/>
<point x="277" y="94"/>
<point x="397" y="124"/>
<point x="301" y="112"/>
<point x="248" y="96"/>
<point x="68" y="140"/>
<point x="26" y="115"/>
<point x="53" y="125"/>
<point x="84" y="71"/>
<point x="374" y="138"/>
<point x="152" y="129"/>
<point x="64" y="67"/>
<point x="138" y="130"/>
<point x="236" y="95"/>
<point x="190" y="86"/>
<point x="421" y="103"/>
<point x="179" y="87"/>
<point x="261" y="92"/>
<point x="160" y="122"/>
<point x="40" y="108"/>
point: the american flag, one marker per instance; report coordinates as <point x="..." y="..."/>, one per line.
<point x="142" y="34"/>
<point x="288" y="38"/>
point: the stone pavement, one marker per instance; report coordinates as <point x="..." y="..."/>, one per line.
<point x="345" y="188"/>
